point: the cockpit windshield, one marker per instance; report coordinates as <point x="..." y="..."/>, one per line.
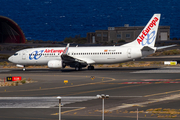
<point x="15" y="54"/>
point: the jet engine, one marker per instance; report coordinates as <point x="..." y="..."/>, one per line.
<point x="55" y="64"/>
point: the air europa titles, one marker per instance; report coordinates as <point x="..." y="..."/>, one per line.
<point x="146" y="31"/>
<point x="38" y="53"/>
<point x="53" y="51"/>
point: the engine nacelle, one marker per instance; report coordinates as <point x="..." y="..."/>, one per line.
<point x="55" y="64"/>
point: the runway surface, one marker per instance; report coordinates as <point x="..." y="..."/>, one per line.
<point x="129" y="88"/>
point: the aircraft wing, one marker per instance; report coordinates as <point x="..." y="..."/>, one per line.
<point x="72" y="60"/>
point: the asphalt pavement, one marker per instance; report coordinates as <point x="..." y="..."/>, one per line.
<point x="128" y="88"/>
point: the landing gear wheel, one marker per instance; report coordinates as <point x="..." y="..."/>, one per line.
<point x="78" y="68"/>
<point x="24" y="69"/>
<point x="63" y="65"/>
<point x="90" y="67"/>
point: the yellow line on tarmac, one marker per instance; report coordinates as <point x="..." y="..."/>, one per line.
<point x="92" y="83"/>
<point x="69" y="111"/>
<point x="162" y="93"/>
<point x="105" y="89"/>
<point x="89" y="91"/>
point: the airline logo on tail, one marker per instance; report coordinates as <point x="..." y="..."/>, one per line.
<point x="150" y="36"/>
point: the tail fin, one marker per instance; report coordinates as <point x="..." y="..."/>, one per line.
<point x="148" y="35"/>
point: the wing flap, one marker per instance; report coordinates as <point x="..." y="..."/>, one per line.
<point x="87" y="60"/>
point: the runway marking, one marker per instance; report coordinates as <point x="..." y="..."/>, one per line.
<point x="123" y="96"/>
<point x="102" y="90"/>
<point x="41" y="102"/>
<point x="148" y="81"/>
<point x="4" y="71"/>
<point x="87" y="91"/>
<point x="128" y="83"/>
<point x="106" y="89"/>
<point x="112" y="79"/>
<point x="69" y="111"/>
<point x="157" y="80"/>
<point x="29" y="118"/>
<point x="142" y="103"/>
<point x="161" y="93"/>
<point x="45" y="75"/>
<point x="157" y="71"/>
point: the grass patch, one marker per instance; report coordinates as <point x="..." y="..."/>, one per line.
<point x="23" y="81"/>
<point x="167" y="52"/>
<point x="4" y="63"/>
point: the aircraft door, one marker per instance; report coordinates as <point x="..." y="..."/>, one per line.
<point x="129" y="53"/>
<point x="24" y="55"/>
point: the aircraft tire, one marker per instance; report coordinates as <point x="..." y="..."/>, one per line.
<point x="90" y="67"/>
<point x="78" y="68"/>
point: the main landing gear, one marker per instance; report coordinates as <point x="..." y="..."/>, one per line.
<point x="78" y="67"/>
<point x="90" y="67"/>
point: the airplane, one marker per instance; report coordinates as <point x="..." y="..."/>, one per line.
<point x="79" y="57"/>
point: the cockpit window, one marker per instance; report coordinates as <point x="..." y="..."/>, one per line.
<point x="15" y="54"/>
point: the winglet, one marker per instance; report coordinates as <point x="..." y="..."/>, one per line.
<point x="66" y="49"/>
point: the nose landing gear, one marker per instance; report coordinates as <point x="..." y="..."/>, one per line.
<point x="24" y="68"/>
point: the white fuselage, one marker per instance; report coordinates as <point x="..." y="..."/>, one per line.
<point x="99" y="55"/>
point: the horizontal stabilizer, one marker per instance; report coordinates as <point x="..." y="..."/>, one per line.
<point x="163" y="47"/>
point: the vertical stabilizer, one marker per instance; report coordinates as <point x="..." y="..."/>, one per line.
<point x="148" y="35"/>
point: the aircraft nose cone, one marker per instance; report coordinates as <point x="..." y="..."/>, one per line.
<point x="10" y="59"/>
